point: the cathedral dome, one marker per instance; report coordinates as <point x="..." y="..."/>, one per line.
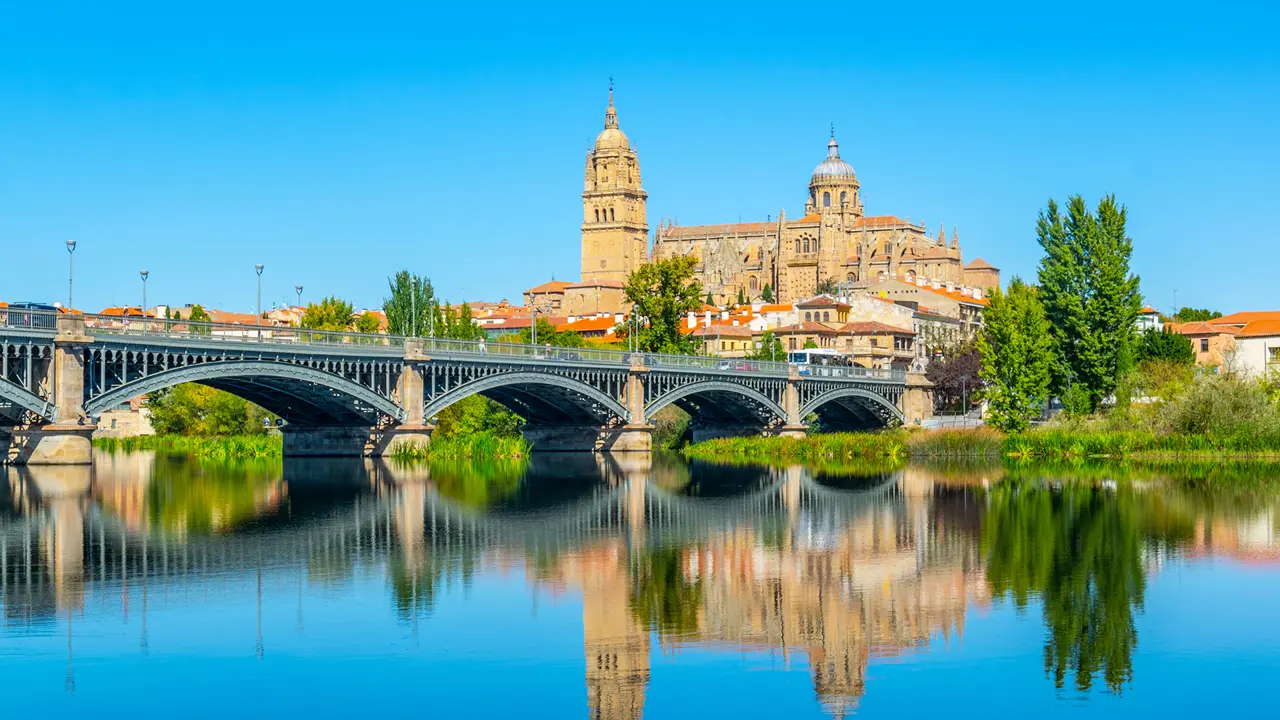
<point x="611" y="138"/>
<point x="833" y="167"/>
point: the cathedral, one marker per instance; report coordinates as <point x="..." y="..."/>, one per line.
<point x="834" y="242"/>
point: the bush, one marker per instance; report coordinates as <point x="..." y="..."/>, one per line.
<point x="1222" y="405"/>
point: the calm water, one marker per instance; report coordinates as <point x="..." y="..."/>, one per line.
<point x="615" y="588"/>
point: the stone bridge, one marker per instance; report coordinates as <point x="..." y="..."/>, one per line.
<point x="353" y="394"/>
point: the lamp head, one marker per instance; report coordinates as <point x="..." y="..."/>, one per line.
<point x="71" y="246"/>
<point x="298" y="289"/>
<point x="144" y="274"/>
<point x="258" y="267"/>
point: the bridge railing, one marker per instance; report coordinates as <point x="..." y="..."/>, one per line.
<point x="852" y="372"/>
<point x="555" y="353"/>
<point x="134" y="326"/>
<point x="29" y="319"/>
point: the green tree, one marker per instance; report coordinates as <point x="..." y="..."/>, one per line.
<point x="198" y="410"/>
<point x="770" y="349"/>
<point x="710" y="300"/>
<point x="742" y="297"/>
<point x="367" y="323"/>
<point x="331" y="313"/>
<point x="810" y="344"/>
<point x="198" y="315"/>
<point x="827" y="287"/>
<point x="1089" y="295"/>
<point x="1165" y="345"/>
<point x="1016" y="353"/>
<point x="664" y="292"/>
<point x="1187" y="314"/>
<point x="548" y="335"/>
<point x="767" y="294"/>
<point x="400" y="306"/>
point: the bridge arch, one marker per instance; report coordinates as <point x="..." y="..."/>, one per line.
<point x="722" y="399"/>
<point x="15" y="400"/>
<point x="853" y="409"/>
<point x="299" y="394"/>
<point x="537" y="397"/>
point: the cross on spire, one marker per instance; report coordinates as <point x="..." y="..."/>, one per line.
<point x="833" y="131"/>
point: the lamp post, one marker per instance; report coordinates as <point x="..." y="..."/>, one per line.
<point x="71" y="269"/>
<point x="144" y="274"/>
<point x="258" y="268"/>
<point x="533" y="328"/>
<point x="298" y="289"/>
<point x="413" y="301"/>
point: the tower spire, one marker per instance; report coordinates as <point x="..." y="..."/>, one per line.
<point x="610" y="115"/>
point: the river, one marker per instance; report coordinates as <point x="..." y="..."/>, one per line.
<point x="625" y="586"/>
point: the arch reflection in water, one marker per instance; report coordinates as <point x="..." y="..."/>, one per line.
<point x="829" y="570"/>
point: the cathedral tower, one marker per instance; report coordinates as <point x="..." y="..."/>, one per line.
<point x="615" y="232"/>
<point x="834" y="186"/>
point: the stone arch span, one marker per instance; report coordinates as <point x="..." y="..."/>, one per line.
<point x="853" y="409"/>
<point x="301" y="395"/>
<point x="540" y="398"/>
<point x="718" y="400"/>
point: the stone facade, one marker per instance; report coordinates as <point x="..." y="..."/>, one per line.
<point x="615" y="229"/>
<point x="834" y="240"/>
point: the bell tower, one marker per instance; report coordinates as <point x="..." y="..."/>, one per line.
<point x="615" y="231"/>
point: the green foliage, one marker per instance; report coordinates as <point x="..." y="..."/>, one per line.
<point x="1016" y="351"/>
<point x="710" y="300"/>
<point x="956" y="378"/>
<point x="473" y="415"/>
<point x="231" y="447"/>
<point x="670" y="427"/>
<point x="1187" y="314"/>
<point x="1089" y="296"/>
<point x="767" y="294"/>
<point x="198" y="315"/>
<point x="409" y="292"/>
<point x="827" y="287"/>
<point x="458" y="324"/>
<point x="810" y="344"/>
<point x="548" y="335"/>
<point x="1165" y="345"/>
<point x="331" y="313"/>
<point x="367" y="323"/>
<point x="664" y="597"/>
<point x="479" y="445"/>
<point x="834" y="446"/>
<point x="200" y="411"/>
<point x="770" y="349"/>
<point x="664" y="292"/>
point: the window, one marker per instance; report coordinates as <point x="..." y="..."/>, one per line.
<point x="844" y="197"/>
<point x="806" y="244"/>
<point x="826" y="199"/>
<point x="826" y="316"/>
<point x="808" y="317"/>
<point x="797" y="247"/>
<point x="1204" y="344"/>
<point x="611" y="216"/>
<point x="597" y="214"/>
<point x="721" y="344"/>
<point x="755" y="284"/>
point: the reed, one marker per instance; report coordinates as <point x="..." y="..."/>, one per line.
<point x="482" y="445"/>
<point x="213" y="448"/>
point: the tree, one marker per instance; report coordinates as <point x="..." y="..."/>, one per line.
<point x="331" y="313"/>
<point x="198" y="410"/>
<point x="1016" y="352"/>
<point x="1089" y="296"/>
<point x="367" y="323"/>
<point x="409" y="292"/>
<point x="664" y="292"/>
<point x="548" y="335"/>
<point x="767" y="294"/>
<point x="742" y="297"/>
<point x="1166" y="345"/>
<point x="827" y="287"/>
<point x="810" y="344"/>
<point x="956" y="378"/>
<point x="198" y="315"/>
<point x="770" y="349"/>
<point x="710" y="300"/>
<point x="1187" y="314"/>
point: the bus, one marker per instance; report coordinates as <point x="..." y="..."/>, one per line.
<point x="823" y="357"/>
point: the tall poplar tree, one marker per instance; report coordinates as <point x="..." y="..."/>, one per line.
<point x="1090" y="297"/>
<point x="400" y="307"/>
<point x="664" y="292"/>
<point x="1017" y="357"/>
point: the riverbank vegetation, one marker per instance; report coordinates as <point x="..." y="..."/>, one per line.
<point x="214" y="448"/>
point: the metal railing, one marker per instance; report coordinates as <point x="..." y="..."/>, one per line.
<point x="161" y="328"/>
<point x="29" y="319"/>
<point x="554" y="353"/>
<point x="852" y="372"/>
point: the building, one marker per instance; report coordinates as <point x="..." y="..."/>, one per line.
<point x="833" y="240"/>
<point x="1149" y="319"/>
<point x="881" y="346"/>
<point x="1214" y="345"/>
<point x="1257" y="342"/>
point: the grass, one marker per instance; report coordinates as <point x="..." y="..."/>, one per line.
<point x="1045" y="443"/>
<point x="480" y="445"/>
<point x="213" y="448"/>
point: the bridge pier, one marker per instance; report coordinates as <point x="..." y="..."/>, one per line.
<point x="795" y="427"/>
<point x="414" y="432"/>
<point x="67" y="441"/>
<point x="917" y="398"/>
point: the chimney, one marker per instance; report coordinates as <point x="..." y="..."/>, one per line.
<point x="951" y="287"/>
<point x="935" y="285"/>
<point x="735" y="322"/>
<point x="617" y="318"/>
<point x="706" y="320"/>
<point x="692" y="320"/>
<point x="921" y="281"/>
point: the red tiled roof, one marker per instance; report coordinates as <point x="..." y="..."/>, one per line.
<point x="1261" y="328"/>
<point x="935" y="252"/>
<point x="810" y="219"/>
<point x="868" y="327"/>
<point x="678" y="231"/>
<point x="822" y="301"/>
<point x="223" y="316"/>
<point x="1201" y="328"/>
<point x="595" y="283"/>
<point x="722" y="330"/>
<point x="784" y="307"/>
<point x="552" y="286"/>
<point x="880" y="221"/>
<point x="594" y="324"/>
<point x="980" y="264"/>
<point x="1148" y="310"/>
<point x="806" y="328"/>
<point x="1244" y="318"/>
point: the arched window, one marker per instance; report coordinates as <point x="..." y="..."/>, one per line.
<point x="806" y="244"/>
<point x="611" y="216"/>
<point x="759" y="254"/>
<point x="755" y="284"/>
<point x="849" y="277"/>
<point x="808" y="317"/>
<point x="844" y="197"/>
<point x="597" y="214"/>
<point x="826" y="316"/>
<point x="826" y="199"/>
<point x="797" y="247"/>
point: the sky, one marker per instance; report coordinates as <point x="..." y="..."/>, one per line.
<point x="338" y="143"/>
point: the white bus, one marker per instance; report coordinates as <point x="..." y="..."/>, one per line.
<point x="816" y="356"/>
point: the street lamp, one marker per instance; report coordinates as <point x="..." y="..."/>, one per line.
<point x="413" y="302"/>
<point x="144" y="274"/>
<point x="298" y="289"/>
<point x="258" y="268"/>
<point x="71" y="269"/>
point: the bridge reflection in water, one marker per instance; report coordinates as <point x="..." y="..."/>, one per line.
<point x="836" y="570"/>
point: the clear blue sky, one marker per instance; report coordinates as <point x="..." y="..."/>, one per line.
<point x="337" y="144"/>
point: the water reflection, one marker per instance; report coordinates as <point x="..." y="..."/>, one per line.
<point x="829" y="569"/>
